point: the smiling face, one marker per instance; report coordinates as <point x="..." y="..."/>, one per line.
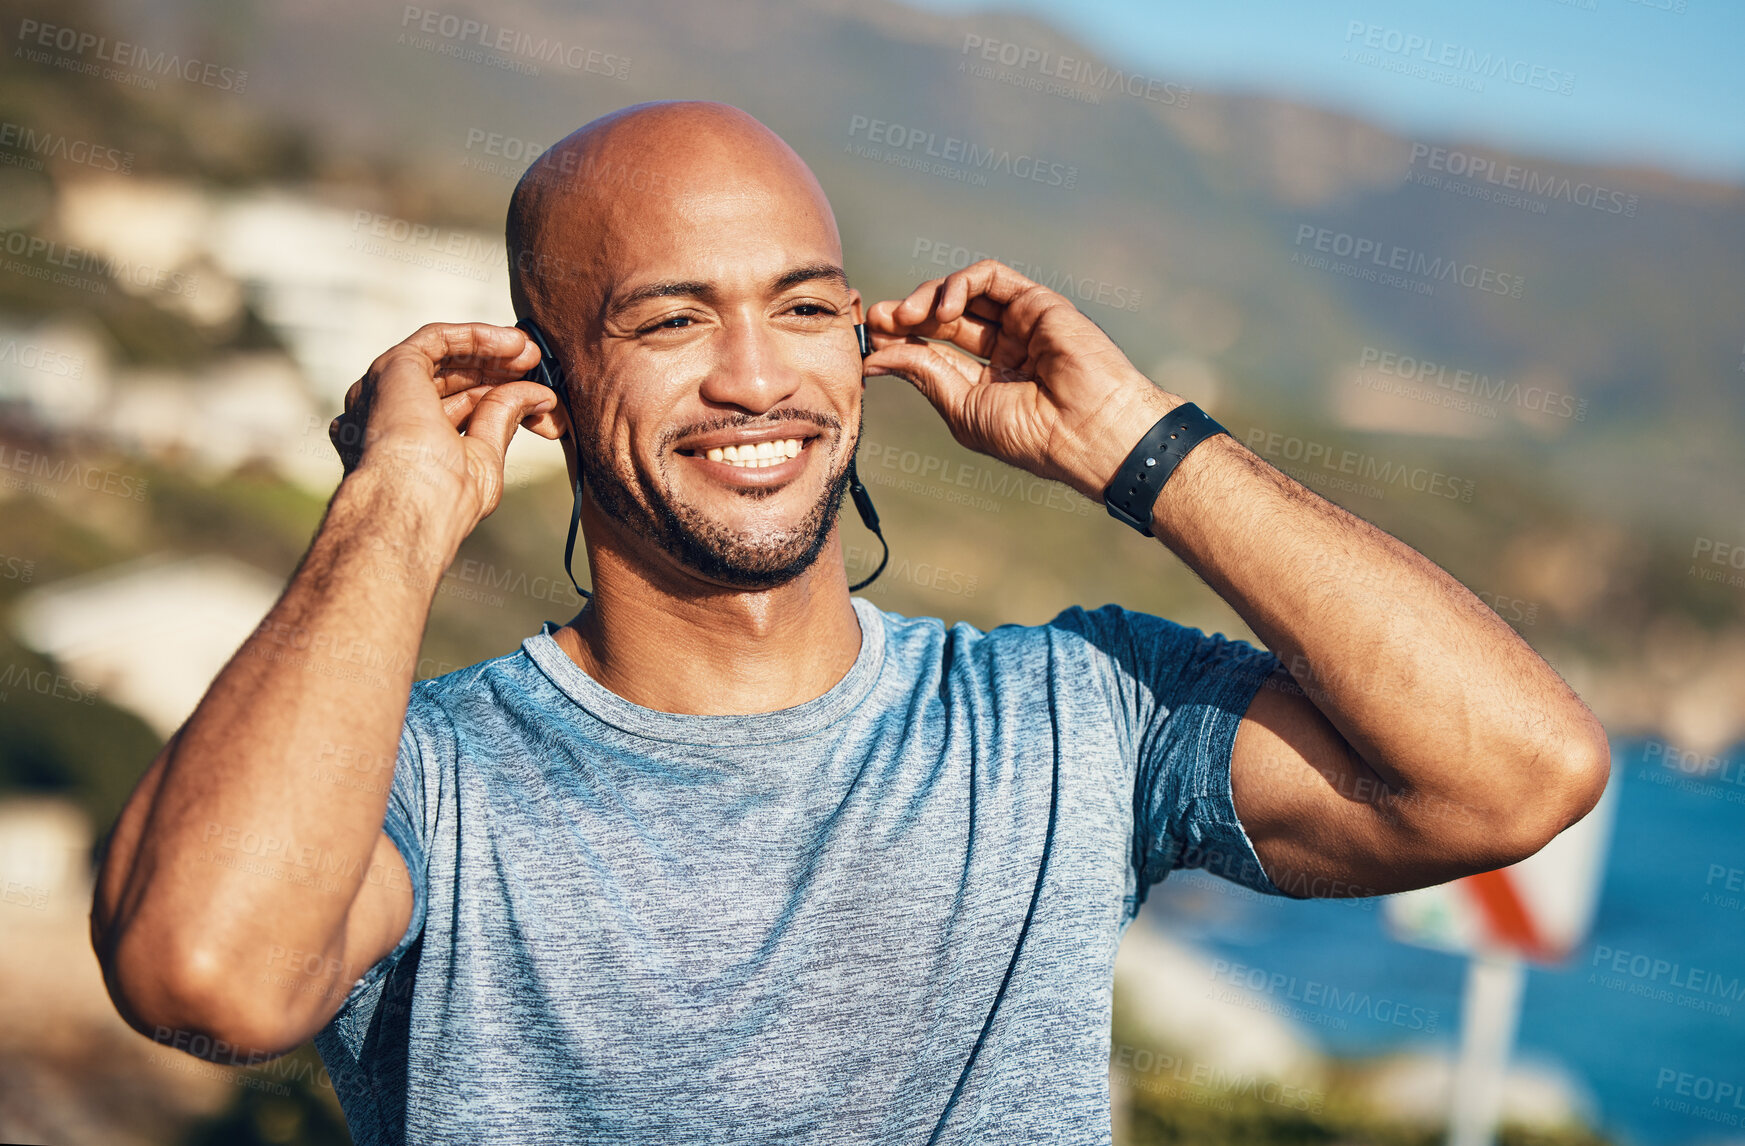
<point x="686" y="265"/>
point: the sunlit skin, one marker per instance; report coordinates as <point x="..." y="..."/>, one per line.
<point x="1412" y="736"/>
<point x="751" y="333"/>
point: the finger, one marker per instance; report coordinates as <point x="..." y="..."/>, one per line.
<point x="460" y="371"/>
<point x="475" y="345"/>
<point x="1021" y="305"/>
<point x="926" y="300"/>
<point x="457" y="356"/>
<point x="553" y="423"/>
<point x="884" y="315"/>
<point x="986" y="308"/>
<point x="994" y="282"/>
<point x="505" y="407"/>
<point x="879" y="318"/>
<point x="459" y="407"/>
<point x="943" y="376"/>
<point x="987" y="279"/>
<point x="977" y="331"/>
<point x="968" y="332"/>
<point x="918" y="302"/>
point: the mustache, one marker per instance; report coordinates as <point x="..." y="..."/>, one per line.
<point x="826" y="422"/>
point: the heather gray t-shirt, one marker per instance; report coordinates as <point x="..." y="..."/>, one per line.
<point x="887" y="915"/>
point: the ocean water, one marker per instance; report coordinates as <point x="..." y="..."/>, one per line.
<point x="1647" y="1016"/>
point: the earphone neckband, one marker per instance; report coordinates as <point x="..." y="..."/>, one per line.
<point x="547" y="373"/>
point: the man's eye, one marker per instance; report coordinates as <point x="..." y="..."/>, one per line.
<point x="667" y="324"/>
<point x="811" y="309"/>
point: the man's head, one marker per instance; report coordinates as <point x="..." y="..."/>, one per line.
<point x="687" y="269"/>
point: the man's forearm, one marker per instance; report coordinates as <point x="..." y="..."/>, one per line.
<point x="254" y="829"/>
<point x="1436" y="693"/>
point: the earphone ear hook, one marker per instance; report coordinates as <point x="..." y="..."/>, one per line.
<point x="863" y="500"/>
<point x="549" y="374"/>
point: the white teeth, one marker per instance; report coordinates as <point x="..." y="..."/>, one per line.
<point x="755" y="456"/>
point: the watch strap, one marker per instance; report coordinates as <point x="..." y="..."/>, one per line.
<point x="1133" y="492"/>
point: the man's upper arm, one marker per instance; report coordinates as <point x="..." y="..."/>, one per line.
<point x="388" y="913"/>
<point x="1177" y="698"/>
<point x="379" y="919"/>
<point x="1323" y="822"/>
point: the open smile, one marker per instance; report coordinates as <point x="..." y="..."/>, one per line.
<point x="749" y="462"/>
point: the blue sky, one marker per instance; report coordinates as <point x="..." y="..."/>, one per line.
<point x="1646" y="84"/>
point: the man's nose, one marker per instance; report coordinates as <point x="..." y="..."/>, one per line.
<point x="749" y="371"/>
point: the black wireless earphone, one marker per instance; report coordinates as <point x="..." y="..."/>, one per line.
<point x="550" y="375"/>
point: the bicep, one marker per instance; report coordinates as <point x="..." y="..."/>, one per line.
<point x="1322" y="821"/>
<point x="375" y="923"/>
<point x="388" y="908"/>
<point x="380" y="914"/>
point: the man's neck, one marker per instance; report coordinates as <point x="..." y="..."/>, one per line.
<point x="725" y="654"/>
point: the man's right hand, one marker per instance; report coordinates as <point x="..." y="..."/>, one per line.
<point x="435" y="413"/>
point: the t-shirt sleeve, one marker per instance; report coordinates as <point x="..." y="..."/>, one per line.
<point x="407" y="820"/>
<point x="1177" y="697"/>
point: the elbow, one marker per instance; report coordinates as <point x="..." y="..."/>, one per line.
<point x="1589" y="772"/>
<point x="1562" y="783"/>
<point x="1515" y="801"/>
<point x="189" y="1000"/>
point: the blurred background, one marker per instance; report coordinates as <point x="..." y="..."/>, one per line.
<point x="1474" y="270"/>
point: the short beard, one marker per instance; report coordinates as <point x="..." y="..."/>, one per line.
<point x="704" y="546"/>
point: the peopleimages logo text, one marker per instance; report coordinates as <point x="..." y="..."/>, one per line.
<point x="1528" y="181"/>
<point x="1393" y="257"/>
<point x="953" y="150"/>
<point x="1479" y="385"/>
<point x="1074" y="70"/>
<point x="49" y="145"/>
<point x="1440" y="53"/>
<point x="481" y="36"/>
<point x="123" y="54"/>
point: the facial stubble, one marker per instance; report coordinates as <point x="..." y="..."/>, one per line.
<point x="704" y="545"/>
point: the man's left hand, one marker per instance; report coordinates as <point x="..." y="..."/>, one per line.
<point x="1056" y="396"/>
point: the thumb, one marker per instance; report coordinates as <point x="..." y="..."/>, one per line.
<point x="940" y="376"/>
<point x="498" y="414"/>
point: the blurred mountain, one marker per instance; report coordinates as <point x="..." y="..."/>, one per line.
<point x="1177" y="234"/>
<point x="1560" y="344"/>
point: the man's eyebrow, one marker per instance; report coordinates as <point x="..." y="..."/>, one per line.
<point x="811" y="272"/>
<point x="696" y="288"/>
<point x="667" y="289"/>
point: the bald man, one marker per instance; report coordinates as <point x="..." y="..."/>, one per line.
<point x="734" y="856"/>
